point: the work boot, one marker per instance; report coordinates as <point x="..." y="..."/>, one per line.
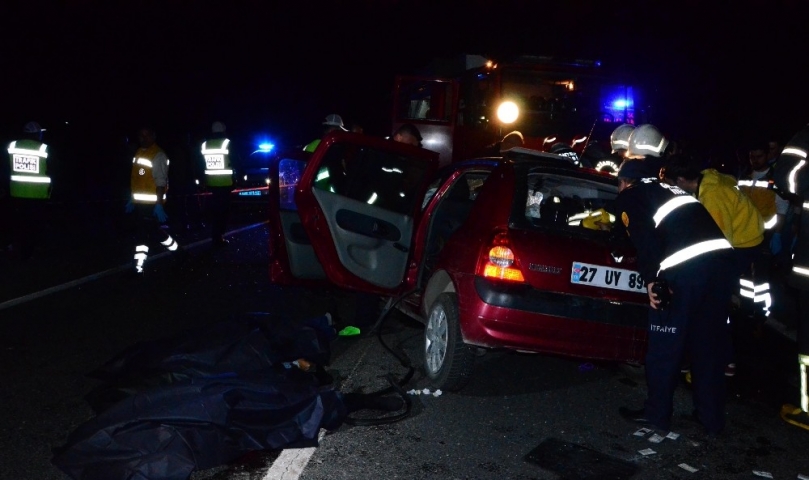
<point x="795" y="416"/>
<point x="635" y="416"/>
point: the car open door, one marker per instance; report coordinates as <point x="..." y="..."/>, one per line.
<point x="360" y="200"/>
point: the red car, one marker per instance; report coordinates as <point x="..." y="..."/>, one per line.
<point x="493" y="253"/>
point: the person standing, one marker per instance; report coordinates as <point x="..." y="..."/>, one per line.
<point x="736" y="216"/>
<point x="218" y="180"/>
<point x="29" y="187"/>
<point x="792" y="176"/>
<point x="333" y="122"/>
<point x="686" y="263"/>
<point x="149" y="183"/>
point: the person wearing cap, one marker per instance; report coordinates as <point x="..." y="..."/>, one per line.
<point x="333" y="122"/>
<point x="217" y="152"/>
<point x="687" y="265"/>
<point x="149" y="183"/>
<point x="29" y="187"/>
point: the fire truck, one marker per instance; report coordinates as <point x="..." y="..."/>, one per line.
<point x="553" y="103"/>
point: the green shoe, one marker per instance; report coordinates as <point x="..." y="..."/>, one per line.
<point x="349" y="331"/>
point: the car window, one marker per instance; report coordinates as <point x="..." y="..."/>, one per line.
<point x="569" y="202"/>
<point x="289" y="174"/>
<point x="382" y="179"/>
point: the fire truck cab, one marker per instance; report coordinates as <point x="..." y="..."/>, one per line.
<point x="553" y="103"/>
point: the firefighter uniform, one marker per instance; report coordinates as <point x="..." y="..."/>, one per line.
<point x="29" y="186"/>
<point x="678" y="241"/>
<point x="218" y="180"/>
<point x="759" y="189"/>
<point x="792" y="175"/>
<point x="150" y="172"/>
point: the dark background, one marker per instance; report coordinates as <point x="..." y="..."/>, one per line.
<point x="721" y="74"/>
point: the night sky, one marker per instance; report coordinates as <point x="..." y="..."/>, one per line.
<point x="730" y="72"/>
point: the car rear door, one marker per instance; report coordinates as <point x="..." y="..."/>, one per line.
<point x="360" y="201"/>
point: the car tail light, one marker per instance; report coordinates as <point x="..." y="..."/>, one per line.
<point x="498" y="261"/>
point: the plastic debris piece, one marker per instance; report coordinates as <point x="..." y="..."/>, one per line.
<point x="655" y="438"/>
<point x="414" y="392"/>
<point x="646" y="451"/>
<point x="672" y="436"/>
<point x="349" y="331"/>
<point x="586" y="367"/>
<point x="803" y="477"/>
<point x="688" y="468"/>
<point x="426" y="391"/>
<point x="438" y="393"/>
<point x="642" y="432"/>
<point x="762" y="474"/>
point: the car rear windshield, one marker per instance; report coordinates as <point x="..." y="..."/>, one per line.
<point x="566" y="200"/>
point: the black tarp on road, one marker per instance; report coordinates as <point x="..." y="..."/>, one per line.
<point x="199" y="400"/>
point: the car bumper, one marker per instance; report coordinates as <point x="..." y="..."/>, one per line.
<point x="520" y="317"/>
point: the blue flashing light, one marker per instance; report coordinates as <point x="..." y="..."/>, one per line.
<point x="266" y="147"/>
<point x="620" y="103"/>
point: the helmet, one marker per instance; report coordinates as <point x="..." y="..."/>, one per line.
<point x="646" y="140"/>
<point x="32" y="127"/>
<point x="218" y="127"/>
<point x="565" y="151"/>
<point x="334" y="120"/>
<point x="619" y="140"/>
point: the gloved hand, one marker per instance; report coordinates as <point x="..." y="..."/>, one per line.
<point x="775" y="243"/>
<point x="130" y="206"/>
<point x="160" y="213"/>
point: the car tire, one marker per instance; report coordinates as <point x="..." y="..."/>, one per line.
<point x="448" y="361"/>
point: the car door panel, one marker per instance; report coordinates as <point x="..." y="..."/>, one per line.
<point x="303" y="262"/>
<point x="359" y="199"/>
<point x="367" y="237"/>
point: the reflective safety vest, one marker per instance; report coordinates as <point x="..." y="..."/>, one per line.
<point x="142" y="180"/>
<point x="29" y="169"/>
<point x="667" y="226"/>
<point x="218" y="172"/>
<point x="792" y="175"/>
<point x="311" y="146"/>
<point x="762" y="195"/>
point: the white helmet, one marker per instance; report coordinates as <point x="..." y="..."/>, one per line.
<point x="646" y="140"/>
<point x="619" y="140"/>
<point x="32" y="127"/>
<point x="218" y="127"/>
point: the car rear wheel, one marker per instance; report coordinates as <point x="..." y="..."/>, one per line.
<point x="448" y="361"/>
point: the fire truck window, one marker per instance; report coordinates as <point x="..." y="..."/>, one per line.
<point x="424" y="100"/>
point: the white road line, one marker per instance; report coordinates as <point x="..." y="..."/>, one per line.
<point x="96" y="276"/>
<point x="292" y="461"/>
<point x="290" y="464"/>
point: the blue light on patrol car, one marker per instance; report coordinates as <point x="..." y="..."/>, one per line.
<point x="265" y="147"/>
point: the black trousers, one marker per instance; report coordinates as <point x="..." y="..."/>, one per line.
<point x="695" y="323"/>
<point x="219" y="210"/>
<point x="150" y="233"/>
<point x="28" y="216"/>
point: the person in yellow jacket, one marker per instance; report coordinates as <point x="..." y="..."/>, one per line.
<point x="734" y="213"/>
<point x="149" y="183"/>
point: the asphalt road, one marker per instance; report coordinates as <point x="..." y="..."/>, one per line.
<point x="523" y="416"/>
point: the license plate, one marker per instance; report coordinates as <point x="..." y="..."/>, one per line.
<point x="606" y="277"/>
<point x="25" y="163"/>
<point x="215" y="162"/>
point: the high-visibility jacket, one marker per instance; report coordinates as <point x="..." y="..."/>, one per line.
<point x="29" y="169"/>
<point x="761" y="193"/>
<point x="218" y="171"/>
<point x="733" y="211"/>
<point x="792" y="175"/>
<point x="144" y="188"/>
<point x="311" y="146"/>
<point x="667" y="226"/>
